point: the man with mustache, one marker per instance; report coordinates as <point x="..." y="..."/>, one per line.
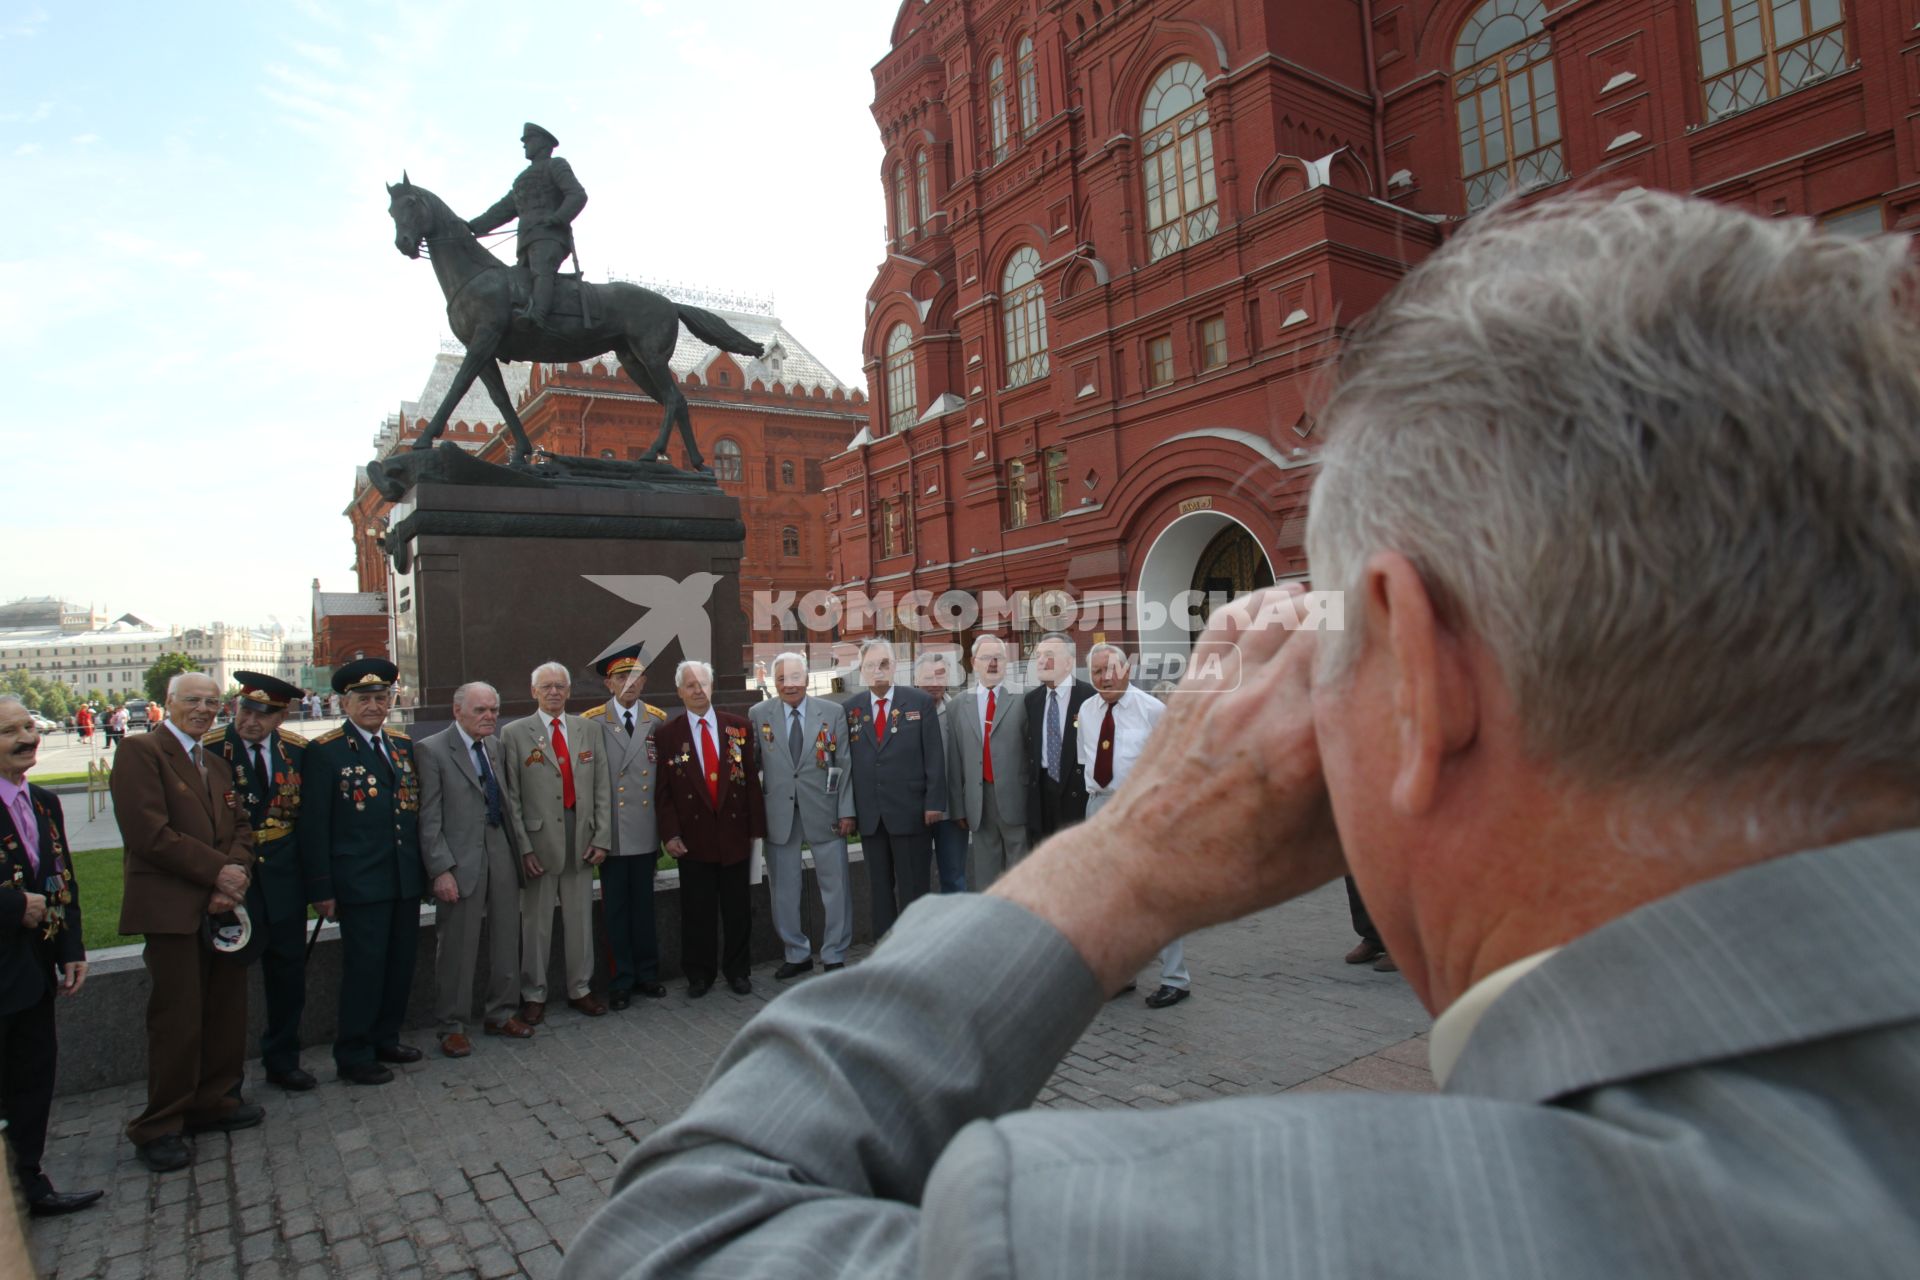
<point x="40" y="953"/>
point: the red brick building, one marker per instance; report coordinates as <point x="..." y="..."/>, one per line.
<point x="346" y="625"/>
<point x="764" y="425"/>
<point x="1126" y="240"/>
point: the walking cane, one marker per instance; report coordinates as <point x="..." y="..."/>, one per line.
<point x="314" y="937"/>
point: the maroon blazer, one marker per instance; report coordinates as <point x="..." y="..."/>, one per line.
<point x="722" y="833"/>
<point x="179" y="832"/>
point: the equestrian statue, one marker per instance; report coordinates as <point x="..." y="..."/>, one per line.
<point x="503" y="314"/>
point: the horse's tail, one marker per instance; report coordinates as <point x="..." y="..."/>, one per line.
<point x="714" y="331"/>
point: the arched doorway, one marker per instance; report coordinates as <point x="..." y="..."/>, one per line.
<point x="1201" y="555"/>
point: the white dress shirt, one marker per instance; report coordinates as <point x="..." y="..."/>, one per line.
<point x="1134" y="715"/>
<point x="1454" y="1027"/>
<point x="699" y="748"/>
<point x="191" y="744"/>
<point x="1000" y="707"/>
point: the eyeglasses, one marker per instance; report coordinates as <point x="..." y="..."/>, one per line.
<point x="550" y="688"/>
<point x="198" y="702"/>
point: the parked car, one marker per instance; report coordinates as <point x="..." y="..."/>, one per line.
<point x="41" y="724"/>
<point x="137" y="715"/>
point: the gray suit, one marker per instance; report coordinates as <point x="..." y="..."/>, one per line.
<point x="897" y="781"/>
<point x="626" y="877"/>
<point x="558" y="838"/>
<point x="1721" y="1083"/>
<point x="996" y="812"/>
<point x="800" y="808"/>
<point x="455" y="836"/>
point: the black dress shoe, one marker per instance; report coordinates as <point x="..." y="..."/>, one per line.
<point x="619" y="1000"/>
<point x="740" y="986"/>
<point x="792" y="969"/>
<point x="55" y="1203"/>
<point x="166" y="1153"/>
<point x="401" y="1053"/>
<point x="651" y="990"/>
<point x="293" y="1079"/>
<point x="1166" y="996"/>
<point x="366" y="1073"/>
<point x="837" y="964"/>
<point x="697" y="987"/>
<point x="245" y="1116"/>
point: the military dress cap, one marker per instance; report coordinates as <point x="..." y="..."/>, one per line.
<point x="621" y="661"/>
<point x="367" y="675"/>
<point x="530" y="129"/>
<point x="266" y="691"/>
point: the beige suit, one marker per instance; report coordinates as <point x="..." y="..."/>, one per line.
<point x="558" y="839"/>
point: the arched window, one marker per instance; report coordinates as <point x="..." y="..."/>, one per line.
<point x="997" y="106"/>
<point x="902" y="207"/>
<point x="790" y="541"/>
<point x="1505" y="101"/>
<point x="726" y="461"/>
<point x="1023" y="318"/>
<point x="1178" y="154"/>
<point x="1028" y="78"/>
<point x="903" y="401"/>
<point x="920" y="184"/>
<point x="786" y="473"/>
<point x="1754" y="50"/>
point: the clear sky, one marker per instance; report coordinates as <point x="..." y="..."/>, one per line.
<point x="204" y="320"/>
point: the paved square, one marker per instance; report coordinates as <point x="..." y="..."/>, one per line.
<point x="487" y="1166"/>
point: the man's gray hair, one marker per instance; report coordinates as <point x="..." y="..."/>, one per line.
<point x="790" y="655"/>
<point x="473" y="686"/>
<point x="14" y="700"/>
<point x="875" y="642"/>
<point x="982" y="638"/>
<point x="1661" y="456"/>
<point x="1105" y="647"/>
<point x="1059" y="637"/>
<point x="553" y="667"/>
<point x="173" y="681"/>
<point x="693" y="664"/>
<point x="928" y="657"/>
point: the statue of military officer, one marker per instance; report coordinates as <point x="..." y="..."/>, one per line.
<point x="546" y="197"/>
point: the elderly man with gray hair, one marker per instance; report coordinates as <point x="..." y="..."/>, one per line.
<point x="468" y="855"/>
<point x="1622" y="743"/>
<point x="560" y="815"/>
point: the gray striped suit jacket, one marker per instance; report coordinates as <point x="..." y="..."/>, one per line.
<point x="1722" y="1083"/>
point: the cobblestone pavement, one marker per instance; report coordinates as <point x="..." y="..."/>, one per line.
<point x="487" y="1166"/>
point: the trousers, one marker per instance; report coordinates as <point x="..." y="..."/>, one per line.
<point x="196" y="1034"/>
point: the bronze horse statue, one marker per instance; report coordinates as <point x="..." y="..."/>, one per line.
<point x="639" y="326"/>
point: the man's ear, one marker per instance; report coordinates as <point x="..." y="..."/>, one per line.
<point x="1434" y="705"/>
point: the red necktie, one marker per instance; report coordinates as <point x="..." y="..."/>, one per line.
<point x="1103" y="754"/>
<point x="713" y="765"/>
<point x="880" y="721"/>
<point x="986" y="743"/>
<point x="566" y="764"/>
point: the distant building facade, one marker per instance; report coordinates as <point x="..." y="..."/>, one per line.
<point x="765" y="426"/>
<point x="113" y="658"/>
<point x="1125" y="243"/>
<point x="346" y="625"/>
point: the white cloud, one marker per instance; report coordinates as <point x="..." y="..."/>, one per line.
<point x="84" y="139"/>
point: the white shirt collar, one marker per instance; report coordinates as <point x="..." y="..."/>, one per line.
<point x="620" y="713"/>
<point x="465" y="737"/>
<point x="1454" y="1026"/>
<point x="185" y="741"/>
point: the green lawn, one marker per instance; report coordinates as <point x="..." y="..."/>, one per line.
<point x="56" y="779"/>
<point x="99" y="873"/>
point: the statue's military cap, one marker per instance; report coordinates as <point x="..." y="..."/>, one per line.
<point x="267" y="692"/>
<point x="532" y="130"/>
<point x="621" y="661"/>
<point x="365" y="674"/>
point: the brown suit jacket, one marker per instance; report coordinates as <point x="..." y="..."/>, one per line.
<point x="178" y="832"/>
<point x="724" y="833"/>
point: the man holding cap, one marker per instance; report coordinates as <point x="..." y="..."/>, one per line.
<point x="359" y="837"/>
<point x="266" y="767"/>
<point x="626" y="877"/>
<point x="189" y="855"/>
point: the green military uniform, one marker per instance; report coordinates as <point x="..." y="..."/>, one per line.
<point x="276" y="897"/>
<point x="359" y="838"/>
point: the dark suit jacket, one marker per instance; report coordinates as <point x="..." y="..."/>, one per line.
<point x="1072" y="780"/>
<point x="27" y="955"/>
<point x="359" y="827"/>
<point x="724" y="833"/>
<point x="273" y="809"/>
<point x="179" y="831"/>
<point x="897" y="781"/>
